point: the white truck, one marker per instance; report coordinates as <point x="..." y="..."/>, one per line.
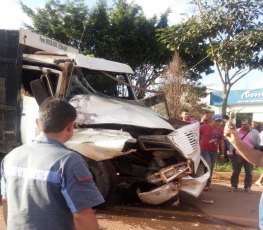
<point x="123" y="141"/>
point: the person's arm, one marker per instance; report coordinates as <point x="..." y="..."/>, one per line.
<point x="3" y="191"/>
<point x="85" y="219"/>
<point x="222" y="147"/>
<point x="201" y="131"/>
<point x="82" y="193"/>
<point x="255" y="157"/>
<point x="258" y="140"/>
<point x="4" y="207"/>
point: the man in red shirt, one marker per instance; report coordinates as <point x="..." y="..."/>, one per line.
<point x="212" y="138"/>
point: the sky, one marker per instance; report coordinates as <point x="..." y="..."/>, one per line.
<point x="12" y="17"/>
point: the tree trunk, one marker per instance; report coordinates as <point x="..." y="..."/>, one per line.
<point x="225" y="97"/>
<point x="224" y="104"/>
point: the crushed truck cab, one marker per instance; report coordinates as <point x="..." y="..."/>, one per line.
<point x="124" y="141"/>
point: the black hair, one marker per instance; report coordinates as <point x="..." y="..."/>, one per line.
<point x="55" y="114"/>
<point x="226" y="117"/>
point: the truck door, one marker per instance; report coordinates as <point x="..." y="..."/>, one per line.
<point x="32" y="95"/>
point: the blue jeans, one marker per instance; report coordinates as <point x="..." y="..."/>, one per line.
<point x="210" y="158"/>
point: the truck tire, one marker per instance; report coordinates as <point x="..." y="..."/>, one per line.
<point x="201" y="169"/>
<point x="104" y="176"/>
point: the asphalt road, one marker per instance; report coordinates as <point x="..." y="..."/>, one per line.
<point x="231" y="211"/>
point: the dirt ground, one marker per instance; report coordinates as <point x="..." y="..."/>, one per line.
<point x="232" y="211"/>
<point x="215" y="209"/>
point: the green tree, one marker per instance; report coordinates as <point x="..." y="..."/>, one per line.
<point x="229" y="33"/>
<point x="135" y="43"/>
<point x="97" y="35"/>
<point x="122" y="34"/>
<point x="62" y="22"/>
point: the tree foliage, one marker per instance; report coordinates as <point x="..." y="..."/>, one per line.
<point x="122" y="33"/>
<point x="97" y="38"/>
<point x="62" y="22"/>
<point x="226" y="33"/>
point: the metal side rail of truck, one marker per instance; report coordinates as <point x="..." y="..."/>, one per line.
<point x="124" y="141"/>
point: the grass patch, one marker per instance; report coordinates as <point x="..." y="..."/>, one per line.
<point x="227" y="167"/>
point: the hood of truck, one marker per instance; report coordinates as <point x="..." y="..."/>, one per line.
<point x="94" y="109"/>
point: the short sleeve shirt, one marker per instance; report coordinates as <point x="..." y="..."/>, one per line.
<point x="210" y="137"/>
<point x="44" y="183"/>
<point x="251" y="138"/>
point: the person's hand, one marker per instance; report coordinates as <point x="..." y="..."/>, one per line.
<point x="231" y="133"/>
<point x="222" y="156"/>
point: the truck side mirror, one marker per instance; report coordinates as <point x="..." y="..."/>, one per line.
<point x="39" y="91"/>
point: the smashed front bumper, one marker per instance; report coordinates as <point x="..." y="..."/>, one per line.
<point x="191" y="185"/>
<point x="159" y="195"/>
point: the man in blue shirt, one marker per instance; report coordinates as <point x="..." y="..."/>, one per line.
<point x="44" y="184"/>
<point x="253" y="156"/>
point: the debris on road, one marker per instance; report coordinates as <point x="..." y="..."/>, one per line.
<point x="208" y="201"/>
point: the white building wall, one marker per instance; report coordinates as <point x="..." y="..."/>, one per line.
<point x="257" y="110"/>
<point x="258" y="117"/>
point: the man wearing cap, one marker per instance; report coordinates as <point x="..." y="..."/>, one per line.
<point x="212" y="137"/>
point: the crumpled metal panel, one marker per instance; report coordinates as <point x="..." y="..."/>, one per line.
<point x="100" y="144"/>
<point x="101" y="64"/>
<point x="48" y="59"/>
<point x="194" y="186"/>
<point x="159" y="195"/>
<point x="189" y="184"/>
<point x="186" y="139"/>
<point x="94" y="109"/>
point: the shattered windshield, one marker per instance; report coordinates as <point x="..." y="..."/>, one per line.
<point x="85" y="81"/>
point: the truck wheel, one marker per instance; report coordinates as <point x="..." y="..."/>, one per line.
<point x="104" y="176"/>
<point x="201" y="169"/>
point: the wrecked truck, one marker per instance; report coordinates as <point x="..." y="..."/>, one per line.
<point x="124" y="142"/>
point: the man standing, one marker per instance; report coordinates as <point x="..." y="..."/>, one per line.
<point x="251" y="138"/>
<point x="44" y="184"/>
<point x="186" y="117"/>
<point x="212" y="137"/>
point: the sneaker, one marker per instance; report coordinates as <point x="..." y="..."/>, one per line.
<point x="232" y="189"/>
<point x="248" y="190"/>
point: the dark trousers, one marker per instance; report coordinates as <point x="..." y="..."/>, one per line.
<point x="237" y="163"/>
